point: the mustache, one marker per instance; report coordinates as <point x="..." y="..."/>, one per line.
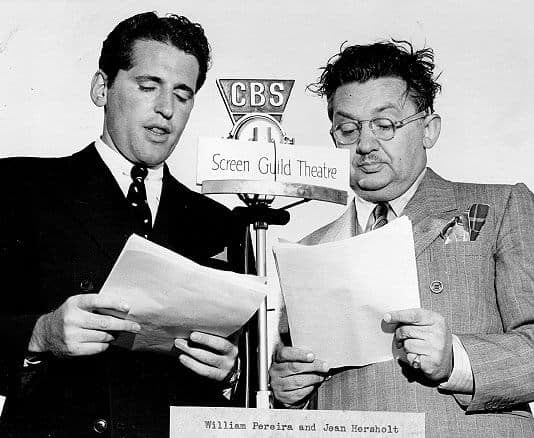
<point x="370" y="158"/>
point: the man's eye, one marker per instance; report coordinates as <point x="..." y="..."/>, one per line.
<point x="382" y="124"/>
<point x="146" y="88"/>
<point x="183" y="96"/>
<point x="348" y="128"/>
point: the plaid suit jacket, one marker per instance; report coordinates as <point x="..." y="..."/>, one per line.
<point x="487" y="300"/>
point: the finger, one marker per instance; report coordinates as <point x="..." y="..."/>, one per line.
<point x="409" y="316"/>
<point x="286" y="369"/>
<point x="293" y="354"/>
<point x="92" y="302"/>
<point x="398" y="343"/>
<point x="87" y="349"/>
<point x="415" y="346"/>
<point x="294" y="397"/>
<point x="215" y="343"/>
<point x="410" y="358"/>
<point x="301" y="381"/>
<point x="109" y="323"/>
<point x="214" y="359"/>
<point x="201" y="368"/>
<point x="90" y="336"/>
<point x="404" y="332"/>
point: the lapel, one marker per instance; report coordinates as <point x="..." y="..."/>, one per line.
<point x="344" y="227"/>
<point x="98" y="202"/>
<point x="102" y="209"/>
<point x="188" y="223"/>
<point x="171" y="215"/>
<point x="431" y="207"/>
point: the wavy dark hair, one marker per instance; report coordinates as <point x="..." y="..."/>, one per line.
<point x="359" y="63"/>
<point x="172" y="29"/>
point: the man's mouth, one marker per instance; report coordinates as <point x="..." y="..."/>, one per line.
<point x="158" y="130"/>
<point x="370" y="166"/>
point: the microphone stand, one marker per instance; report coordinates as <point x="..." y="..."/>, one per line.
<point x="260" y="215"/>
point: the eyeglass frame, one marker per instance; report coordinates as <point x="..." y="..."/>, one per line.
<point x="396" y="125"/>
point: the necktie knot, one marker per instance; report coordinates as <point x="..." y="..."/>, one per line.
<point x="380" y="215"/>
<point x="138" y="173"/>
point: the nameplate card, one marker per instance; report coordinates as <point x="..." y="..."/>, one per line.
<point x="282" y="423"/>
<point x="223" y="159"/>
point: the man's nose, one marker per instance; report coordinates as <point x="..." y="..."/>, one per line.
<point x="367" y="141"/>
<point x="165" y="105"/>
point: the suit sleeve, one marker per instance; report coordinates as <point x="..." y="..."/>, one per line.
<point x="17" y="277"/>
<point x="503" y="364"/>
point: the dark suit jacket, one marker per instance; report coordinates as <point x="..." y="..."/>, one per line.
<point x="487" y="299"/>
<point x="63" y="223"/>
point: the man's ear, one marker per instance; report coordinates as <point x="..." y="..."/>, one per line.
<point x="432" y="130"/>
<point x="99" y="88"/>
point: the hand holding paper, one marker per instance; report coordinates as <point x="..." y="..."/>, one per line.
<point x="425" y="336"/>
<point x="294" y="375"/>
<point x="337" y="293"/>
<point x="208" y="355"/>
<point x="170" y="296"/>
<point x="73" y="329"/>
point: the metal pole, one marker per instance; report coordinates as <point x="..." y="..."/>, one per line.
<point x="263" y="395"/>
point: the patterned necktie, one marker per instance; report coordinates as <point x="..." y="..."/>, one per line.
<point x="137" y="199"/>
<point x="380" y="215"/>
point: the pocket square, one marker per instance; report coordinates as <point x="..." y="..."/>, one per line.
<point x="456" y="230"/>
<point x="467" y="226"/>
<point x="477" y="218"/>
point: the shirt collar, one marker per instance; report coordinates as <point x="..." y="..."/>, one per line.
<point x="118" y="165"/>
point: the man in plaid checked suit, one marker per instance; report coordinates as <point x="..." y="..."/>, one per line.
<point x="469" y="350"/>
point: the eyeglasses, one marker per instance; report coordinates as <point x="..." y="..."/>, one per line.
<point x="383" y="128"/>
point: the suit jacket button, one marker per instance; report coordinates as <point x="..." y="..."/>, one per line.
<point x="86" y="285"/>
<point x="436" y="287"/>
<point x="100" y="425"/>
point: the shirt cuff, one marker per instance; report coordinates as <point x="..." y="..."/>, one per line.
<point x="230" y="385"/>
<point x="31" y="359"/>
<point x="461" y="378"/>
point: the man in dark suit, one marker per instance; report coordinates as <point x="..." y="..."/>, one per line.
<point x="65" y="221"/>
<point x="468" y="360"/>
